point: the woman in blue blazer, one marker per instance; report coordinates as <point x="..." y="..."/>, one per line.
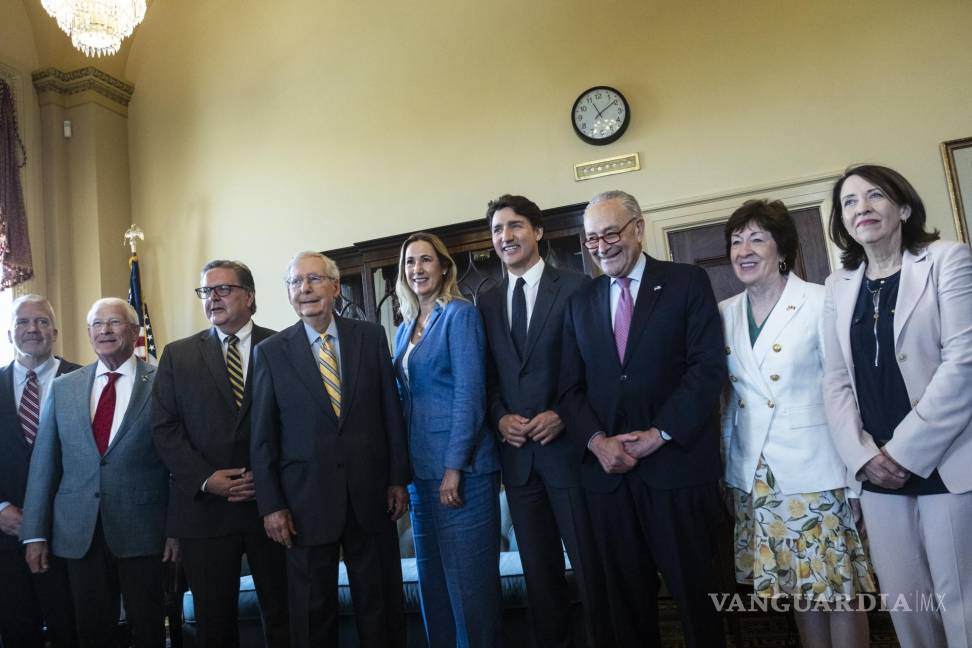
<point x="440" y="362"/>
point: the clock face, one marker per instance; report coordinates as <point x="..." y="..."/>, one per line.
<point x="600" y="115"/>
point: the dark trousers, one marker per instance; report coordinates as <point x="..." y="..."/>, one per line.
<point x="100" y="581"/>
<point x="375" y="574"/>
<point x="641" y="531"/>
<point x="212" y="567"/>
<point x="29" y="601"/>
<point x="543" y="515"/>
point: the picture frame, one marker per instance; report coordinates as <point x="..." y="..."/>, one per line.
<point x="957" y="158"/>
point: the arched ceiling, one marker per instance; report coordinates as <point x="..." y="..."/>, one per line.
<point x="54" y="47"/>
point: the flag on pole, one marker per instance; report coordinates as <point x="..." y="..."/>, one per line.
<point x="145" y="345"/>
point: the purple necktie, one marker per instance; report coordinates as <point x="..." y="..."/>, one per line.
<point x="30" y="408"/>
<point x="622" y="316"/>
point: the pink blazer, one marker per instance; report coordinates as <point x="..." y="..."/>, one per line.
<point x="933" y="343"/>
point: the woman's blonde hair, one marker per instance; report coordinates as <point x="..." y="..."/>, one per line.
<point x="408" y="303"/>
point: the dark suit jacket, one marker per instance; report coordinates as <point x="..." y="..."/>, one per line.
<point x="198" y="429"/>
<point x="308" y="461"/>
<point x="14" y="451"/>
<point x="671" y="376"/>
<point x="528" y="386"/>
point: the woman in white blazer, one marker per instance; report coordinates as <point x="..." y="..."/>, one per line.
<point x="795" y="531"/>
<point x="898" y="392"/>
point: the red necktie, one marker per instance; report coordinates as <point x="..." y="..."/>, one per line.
<point x="105" y="413"/>
<point x="30" y="408"/>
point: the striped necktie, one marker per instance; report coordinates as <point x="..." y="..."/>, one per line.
<point x="30" y="408"/>
<point x="234" y="368"/>
<point x="327" y="362"/>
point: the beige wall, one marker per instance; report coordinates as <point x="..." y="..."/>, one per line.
<point x="257" y="130"/>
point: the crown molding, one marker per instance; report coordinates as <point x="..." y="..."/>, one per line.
<point x="81" y="86"/>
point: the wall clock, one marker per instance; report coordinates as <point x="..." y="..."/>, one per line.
<point x="600" y="115"/>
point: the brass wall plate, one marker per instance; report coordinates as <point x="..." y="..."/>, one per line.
<point x="607" y="166"/>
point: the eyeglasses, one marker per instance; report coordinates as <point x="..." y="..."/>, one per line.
<point x="593" y="241"/>
<point x="313" y="279"/>
<point x="110" y="325"/>
<point x="223" y="290"/>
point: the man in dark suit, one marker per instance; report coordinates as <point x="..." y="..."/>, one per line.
<point x="330" y="461"/>
<point x="201" y="428"/>
<point x="28" y="601"/>
<point x="524" y="318"/>
<point x="643" y="366"/>
<point x="97" y="491"/>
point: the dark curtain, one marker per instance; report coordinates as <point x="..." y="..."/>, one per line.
<point x="15" y="262"/>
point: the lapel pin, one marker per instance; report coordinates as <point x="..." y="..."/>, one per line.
<point x="791" y="307"/>
<point x="657" y="288"/>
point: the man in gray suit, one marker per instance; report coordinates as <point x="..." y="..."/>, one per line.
<point x="97" y="492"/>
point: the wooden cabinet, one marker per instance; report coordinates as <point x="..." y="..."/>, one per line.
<point x="369" y="269"/>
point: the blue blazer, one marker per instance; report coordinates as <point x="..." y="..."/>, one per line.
<point x="444" y="400"/>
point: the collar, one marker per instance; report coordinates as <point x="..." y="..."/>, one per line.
<point x="20" y="371"/>
<point x="531" y="276"/>
<point x="636" y="272"/>
<point x="242" y="335"/>
<point x="126" y="368"/>
<point x="312" y="334"/>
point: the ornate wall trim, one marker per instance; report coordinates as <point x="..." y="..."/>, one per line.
<point x="85" y="85"/>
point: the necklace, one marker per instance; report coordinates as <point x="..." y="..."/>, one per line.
<point x="876" y="302"/>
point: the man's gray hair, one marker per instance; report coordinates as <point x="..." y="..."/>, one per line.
<point x="629" y="202"/>
<point x="130" y="313"/>
<point x="330" y="268"/>
<point x="32" y="299"/>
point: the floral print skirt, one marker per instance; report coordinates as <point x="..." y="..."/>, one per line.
<point x="803" y="544"/>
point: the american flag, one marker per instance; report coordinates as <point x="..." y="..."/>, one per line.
<point x="145" y="346"/>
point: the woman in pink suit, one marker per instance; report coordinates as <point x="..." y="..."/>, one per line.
<point x="897" y="390"/>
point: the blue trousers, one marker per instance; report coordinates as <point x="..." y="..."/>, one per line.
<point x="457" y="555"/>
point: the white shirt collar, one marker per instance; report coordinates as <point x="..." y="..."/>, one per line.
<point x="242" y="335"/>
<point x="126" y="368"/>
<point x="20" y="371"/>
<point x="636" y="272"/>
<point x="531" y="276"/>
<point x="313" y="336"/>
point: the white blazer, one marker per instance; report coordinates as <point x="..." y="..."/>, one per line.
<point x="774" y="403"/>
<point x="933" y="343"/>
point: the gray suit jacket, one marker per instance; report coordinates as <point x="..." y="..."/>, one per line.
<point x="71" y="484"/>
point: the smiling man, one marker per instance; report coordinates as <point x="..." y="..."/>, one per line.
<point x="97" y="491"/>
<point x="524" y="318"/>
<point x="28" y="602"/>
<point x="201" y="415"/>
<point x="643" y="367"/>
<point x="330" y="461"/>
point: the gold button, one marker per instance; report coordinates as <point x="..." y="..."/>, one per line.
<point x="728" y="350"/>
<point x="741" y="404"/>
<point x="770" y="404"/>
<point x="902" y="357"/>
<point x="777" y="348"/>
<point x="774" y="377"/>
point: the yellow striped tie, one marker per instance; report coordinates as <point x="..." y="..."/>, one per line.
<point x="234" y="367"/>
<point x="327" y="362"/>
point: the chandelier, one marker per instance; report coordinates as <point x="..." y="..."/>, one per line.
<point x="96" y="27"/>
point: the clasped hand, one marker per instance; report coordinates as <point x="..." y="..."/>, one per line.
<point x="884" y="471"/>
<point x="235" y="484"/>
<point x="542" y="428"/>
<point x="621" y="452"/>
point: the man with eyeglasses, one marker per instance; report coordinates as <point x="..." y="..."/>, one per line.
<point x="201" y="426"/>
<point x="643" y="367"/>
<point x="97" y="491"/>
<point x="28" y="602"/>
<point x="331" y="462"/>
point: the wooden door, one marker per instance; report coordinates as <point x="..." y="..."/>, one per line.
<point x="705" y="246"/>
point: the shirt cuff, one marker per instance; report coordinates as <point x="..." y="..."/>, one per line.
<point x="665" y="435"/>
<point x="32" y="540"/>
<point x="4" y="505"/>
<point x="203" y="487"/>
<point x="593" y="436"/>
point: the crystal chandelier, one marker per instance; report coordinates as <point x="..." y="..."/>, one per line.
<point x="96" y="27"/>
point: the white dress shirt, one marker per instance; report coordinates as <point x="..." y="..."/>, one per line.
<point x="635" y="277"/>
<point x="531" y="286"/>
<point x="315" y="342"/>
<point x="245" y="336"/>
<point x="123" y="391"/>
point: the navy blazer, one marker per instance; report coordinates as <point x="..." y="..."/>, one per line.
<point x="307" y="460"/>
<point x="14" y="451"/>
<point x="671" y="376"/>
<point x="444" y="400"/>
<point x="528" y="386"/>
